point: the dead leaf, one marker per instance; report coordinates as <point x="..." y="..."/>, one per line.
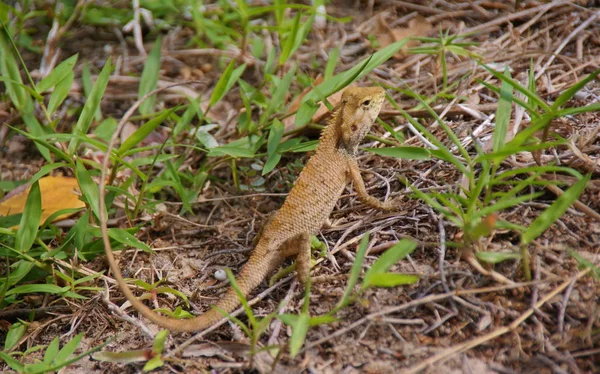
<point x="418" y="26"/>
<point x="58" y="193"/>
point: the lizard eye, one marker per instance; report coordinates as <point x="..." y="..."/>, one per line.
<point x="366" y="102"/>
<point x="353" y="127"/>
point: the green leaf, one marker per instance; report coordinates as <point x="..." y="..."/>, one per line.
<point x="37" y="288"/>
<point x="361" y="69"/>
<point x="275" y="135"/>
<point x="305" y="113"/>
<point x="68" y="349"/>
<point x="154" y="363"/>
<point x="15" y="333"/>
<point x="30" y="220"/>
<point x="10" y="68"/>
<point x="86" y="81"/>
<point x="205" y="138"/>
<point x="331" y="63"/>
<point x="144" y="130"/>
<point x="517" y="86"/>
<point x="388" y="259"/>
<point x="88" y="187"/>
<point x="554" y="211"/>
<point x="407" y="153"/>
<point x="126" y="238"/>
<point x="392" y="279"/>
<point x="61" y="91"/>
<point x="10" y="361"/>
<point x="57" y="75"/>
<point x="51" y="351"/>
<point x="149" y="78"/>
<point x="278" y="96"/>
<point x="226" y="81"/>
<point x="569" y="93"/>
<point x="226" y="150"/>
<point x="286" y="50"/>
<point x="502" y="114"/>
<point x="299" y="331"/>
<point x="159" y="341"/>
<point x="91" y="106"/>
<point x="355" y="272"/>
<point x="497" y="257"/>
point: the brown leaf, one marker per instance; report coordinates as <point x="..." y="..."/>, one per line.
<point x="418" y="26"/>
<point x="57" y="193"/>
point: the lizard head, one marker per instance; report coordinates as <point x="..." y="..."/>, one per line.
<point x="360" y="107"/>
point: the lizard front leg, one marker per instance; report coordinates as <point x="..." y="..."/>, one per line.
<point x="361" y="190"/>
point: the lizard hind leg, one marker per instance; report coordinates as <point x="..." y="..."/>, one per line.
<point x="299" y="246"/>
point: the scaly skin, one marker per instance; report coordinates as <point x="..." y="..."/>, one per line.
<point x="304" y="211"/>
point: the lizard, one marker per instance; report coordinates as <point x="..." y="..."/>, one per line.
<point x="306" y="208"/>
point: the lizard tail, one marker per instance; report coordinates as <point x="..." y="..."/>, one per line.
<point x="259" y="265"/>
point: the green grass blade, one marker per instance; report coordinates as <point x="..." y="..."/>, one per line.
<point x="59" y="73"/>
<point x="144" y="130"/>
<point x="149" y="78"/>
<point x="502" y="114"/>
<point x="89" y="188"/>
<point x="299" y="331"/>
<point x="91" y="106"/>
<point x="61" y="91"/>
<point x="407" y="153"/>
<point x="400" y="250"/>
<point x="30" y="220"/>
<point x="555" y="211"/>
<point x="355" y="272"/>
<point x="226" y="81"/>
<point x="570" y="92"/>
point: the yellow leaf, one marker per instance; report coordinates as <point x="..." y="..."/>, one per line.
<point x="57" y="193"/>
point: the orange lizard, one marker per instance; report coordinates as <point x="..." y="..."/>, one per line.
<point x="304" y="211"/>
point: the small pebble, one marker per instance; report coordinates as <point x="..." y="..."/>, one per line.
<point x="220" y="275"/>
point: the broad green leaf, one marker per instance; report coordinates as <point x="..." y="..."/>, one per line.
<point x="154" y="363"/>
<point x="88" y="188"/>
<point x="226" y="150"/>
<point x="497" y="257"/>
<point x="226" y="81"/>
<point x="321" y="320"/>
<point x="106" y="129"/>
<point x="392" y="279"/>
<point x="149" y="78"/>
<point x="305" y="113"/>
<point x="51" y="351"/>
<point x="59" y="73"/>
<point x="91" y="105"/>
<point x="205" y="138"/>
<point x="126" y="238"/>
<point x="61" y="91"/>
<point x="502" y="114"/>
<point x="159" y="341"/>
<point x="144" y="130"/>
<point x="554" y="211"/>
<point x="37" y="288"/>
<point x="10" y="68"/>
<point x="16" y="331"/>
<point x="299" y="331"/>
<point x="30" y="220"/>
<point x="271" y="163"/>
<point x="388" y="259"/>
<point x="11" y="362"/>
<point x="407" y="153"/>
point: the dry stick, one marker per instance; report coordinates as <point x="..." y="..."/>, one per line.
<point x="424" y="300"/>
<point x="514" y="16"/>
<point x="443" y="356"/>
<point x="565" y="42"/>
